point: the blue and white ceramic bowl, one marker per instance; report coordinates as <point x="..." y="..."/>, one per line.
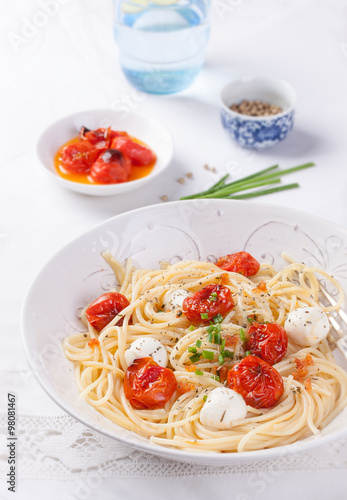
<point x="258" y="131"/>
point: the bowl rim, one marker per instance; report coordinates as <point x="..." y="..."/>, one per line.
<point x="103" y="188"/>
<point x="245" y="79"/>
<point x="213" y="458"/>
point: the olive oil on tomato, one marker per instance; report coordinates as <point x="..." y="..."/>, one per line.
<point x="136" y="172"/>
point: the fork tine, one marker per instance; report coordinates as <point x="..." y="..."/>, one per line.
<point x="341" y="341"/>
<point x="340" y="332"/>
<point x="342" y="346"/>
<point x="333" y="302"/>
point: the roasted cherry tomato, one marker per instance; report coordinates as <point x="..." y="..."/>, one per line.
<point x="100" y="138"/>
<point x="241" y="262"/>
<point x="267" y="341"/>
<point x="139" y="155"/>
<point x="148" y="385"/>
<point x="208" y="302"/>
<point x="105" y="308"/>
<point x="259" y="383"/>
<point x="78" y="157"/>
<point x="111" y="167"/>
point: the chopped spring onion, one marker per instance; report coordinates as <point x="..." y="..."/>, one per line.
<point x="195" y="357"/>
<point x="217" y="338"/>
<point x="242" y="335"/>
<point x="228" y="354"/>
<point x="210" y="337"/>
<point x="218" y="318"/>
<point x="207" y="354"/>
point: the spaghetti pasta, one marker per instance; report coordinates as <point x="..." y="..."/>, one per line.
<point x="315" y="387"/>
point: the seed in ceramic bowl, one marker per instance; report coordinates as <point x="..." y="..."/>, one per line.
<point x="256" y="108"/>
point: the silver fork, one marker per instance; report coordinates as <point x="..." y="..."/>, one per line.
<point x="338" y="340"/>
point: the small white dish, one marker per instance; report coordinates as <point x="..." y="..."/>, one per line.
<point x="142" y="127"/>
<point x="258" y="131"/>
<point x="170" y="232"/>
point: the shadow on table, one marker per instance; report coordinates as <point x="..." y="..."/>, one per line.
<point x="299" y="144"/>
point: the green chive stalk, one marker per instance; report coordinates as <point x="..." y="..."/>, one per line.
<point x="267" y="176"/>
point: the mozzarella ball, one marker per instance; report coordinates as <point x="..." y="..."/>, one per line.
<point x="222" y="406"/>
<point x="144" y="347"/>
<point x="173" y="299"/>
<point x="307" y="326"/>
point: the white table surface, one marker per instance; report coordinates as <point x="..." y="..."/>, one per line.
<point x="71" y="64"/>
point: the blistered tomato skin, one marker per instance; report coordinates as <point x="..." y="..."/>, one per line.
<point x="100" y="138"/>
<point x="259" y="383"/>
<point x="96" y="138"/>
<point x="211" y="300"/>
<point x="148" y="385"/>
<point x="78" y="158"/>
<point x="111" y="167"/>
<point x="105" y="308"/>
<point x="138" y="154"/>
<point x="241" y="262"/>
<point x="267" y="341"/>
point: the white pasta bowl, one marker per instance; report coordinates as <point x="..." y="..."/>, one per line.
<point x="195" y="229"/>
<point x="148" y="130"/>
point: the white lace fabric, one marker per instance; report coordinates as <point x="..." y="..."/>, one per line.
<point x="59" y="447"/>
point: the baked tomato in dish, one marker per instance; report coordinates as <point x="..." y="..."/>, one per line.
<point x="138" y="154"/>
<point x="148" y="385"/>
<point x="208" y="302"/>
<point x="111" y="167"/>
<point x="268" y="341"/>
<point x="105" y="308"/>
<point x="241" y="262"/>
<point x="259" y="383"/>
<point x="77" y="158"/>
<point x="100" y="138"/>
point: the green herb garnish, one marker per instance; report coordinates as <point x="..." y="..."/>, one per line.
<point x="248" y="353"/>
<point x="198" y="372"/>
<point x="227" y="354"/>
<point x="195" y="357"/>
<point x="191" y="328"/>
<point x="213" y="297"/>
<point x="191" y="349"/>
<point x="217" y="338"/>
<point x="204" y="315"/>
<point x="217" y="328"/>
<point x="242" y="335"/>
<point x="205" y="397"/>
<point x="265" y="177"/>
<point x="218" y="318"/>
<point x="198" y="343"/>
<point x="207" y="354"/>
